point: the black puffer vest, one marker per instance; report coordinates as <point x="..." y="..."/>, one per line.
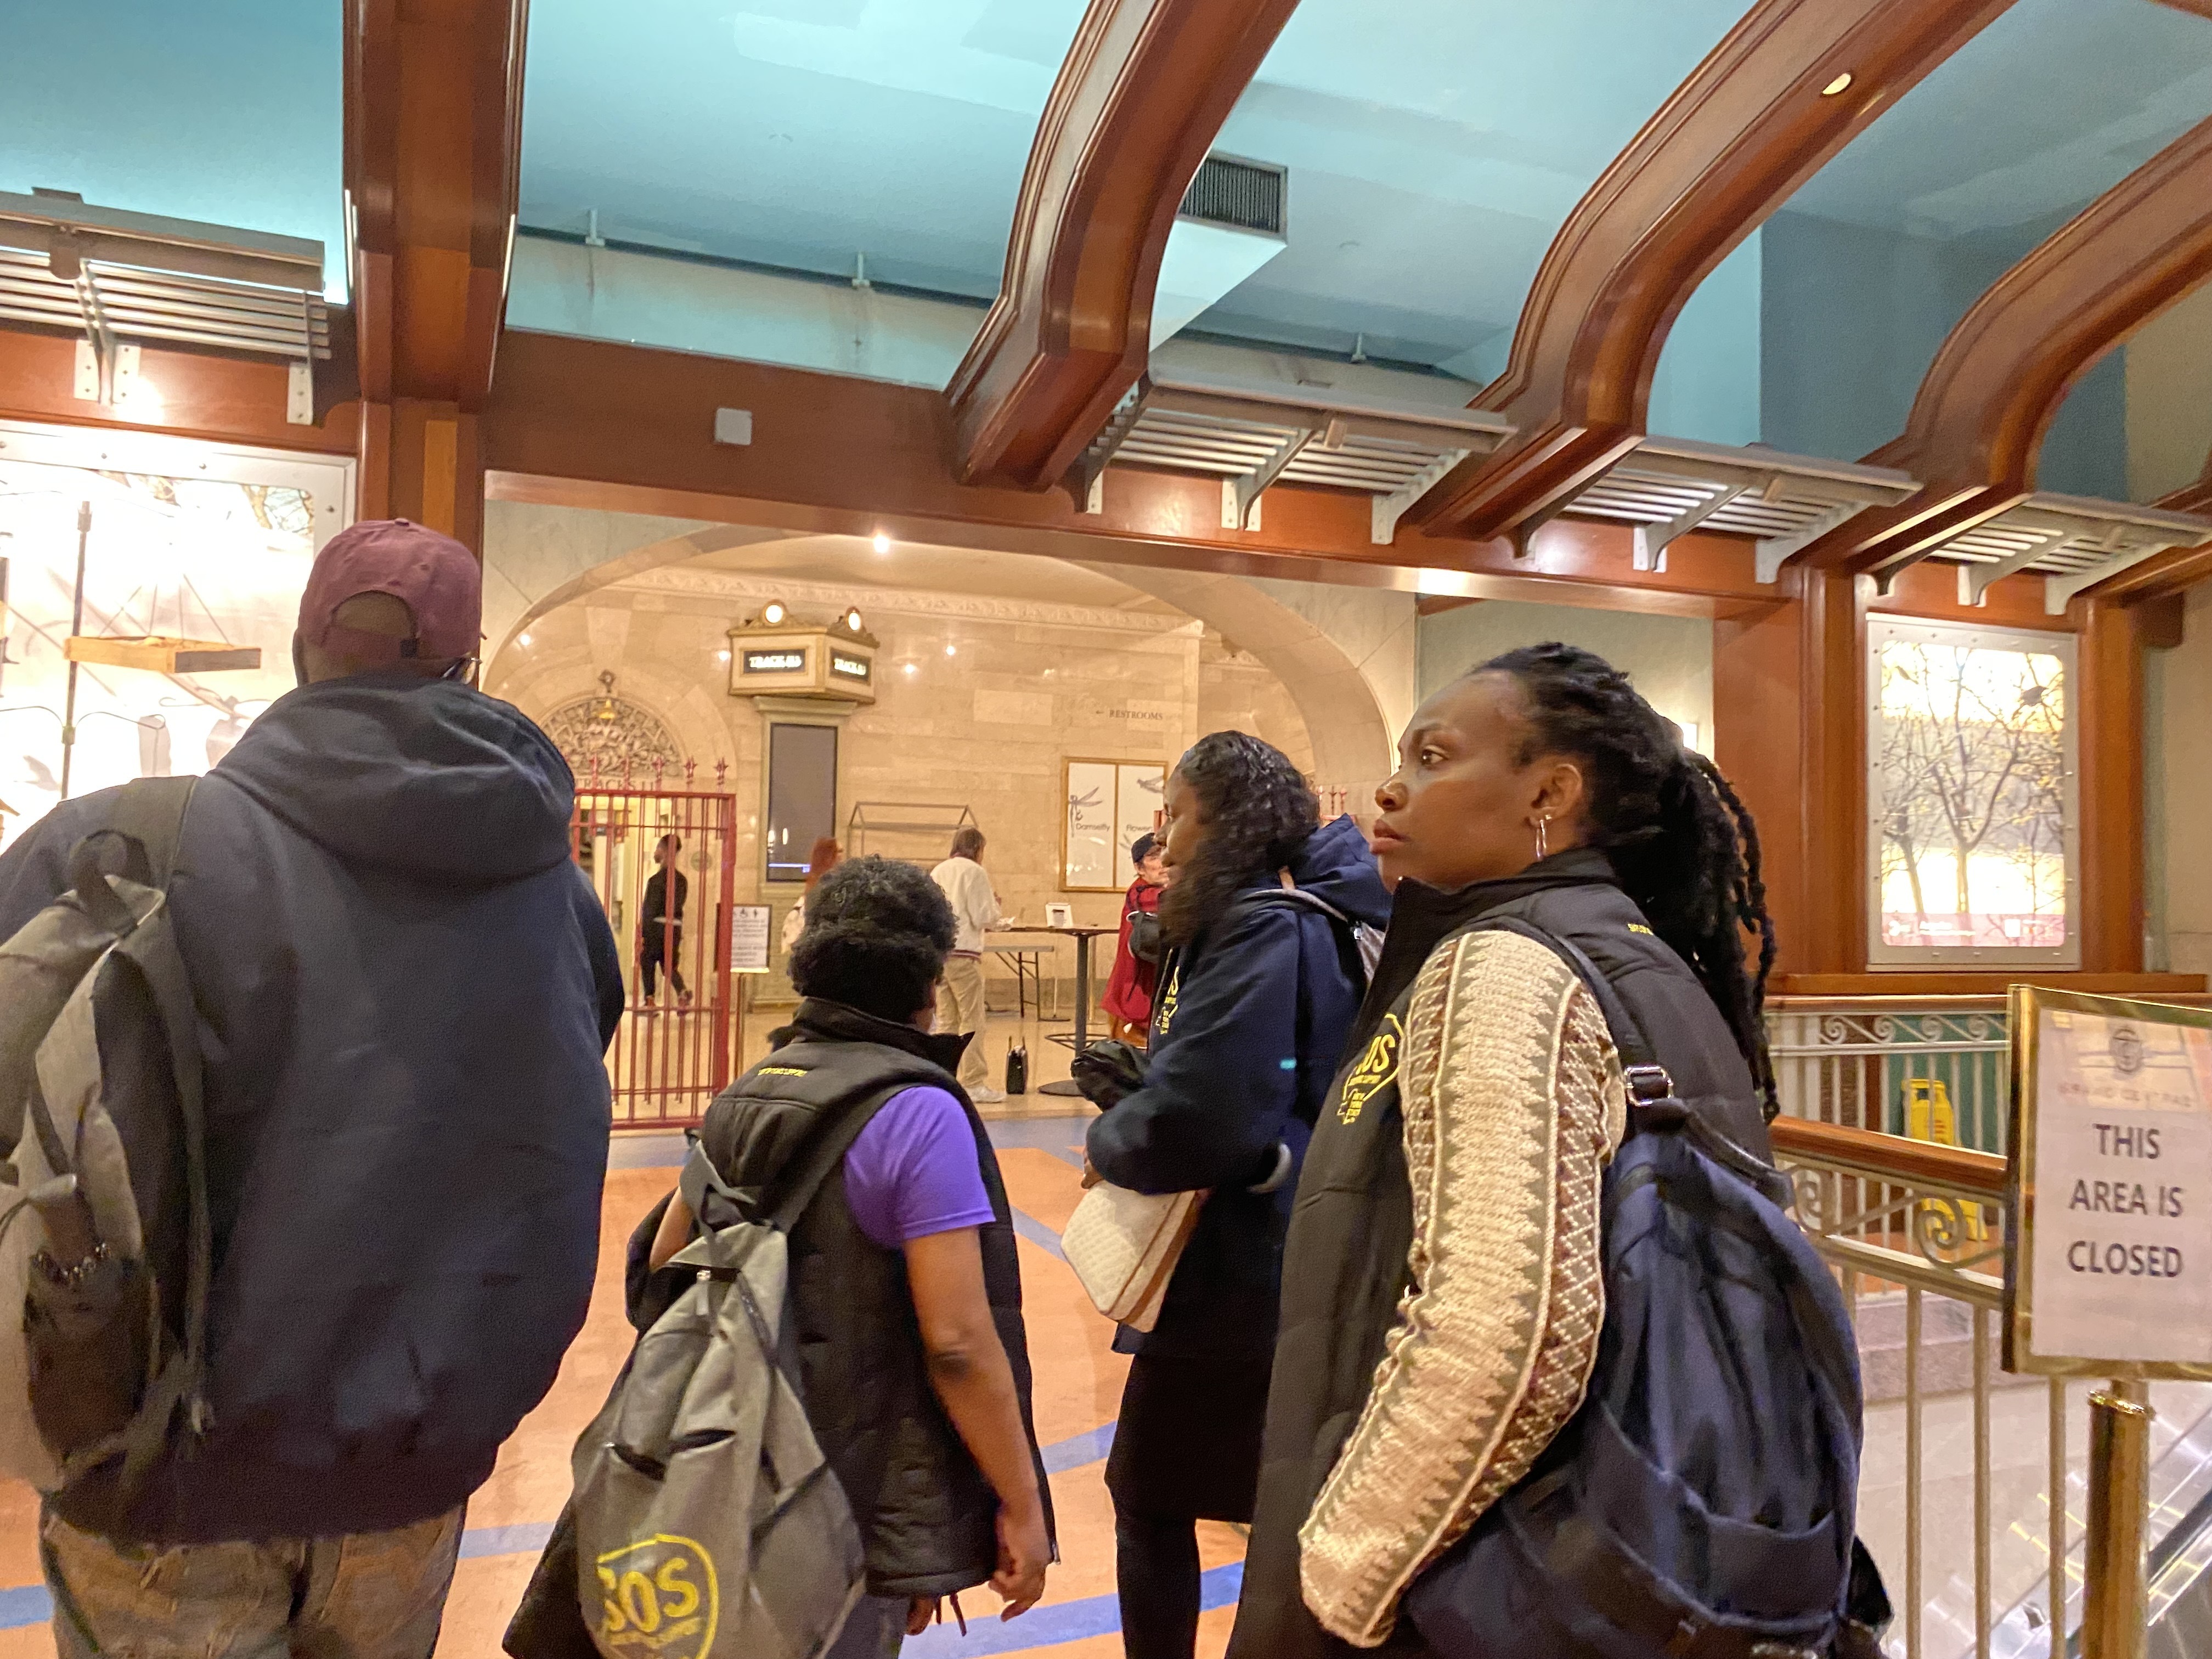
<point x="926" y="1515"/>
<point x="1344" y="1265"/>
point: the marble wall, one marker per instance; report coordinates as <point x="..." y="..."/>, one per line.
<point x="1670" y="659"/>
<point x="980" y="701"/>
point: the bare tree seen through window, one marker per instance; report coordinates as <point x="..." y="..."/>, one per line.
<point x="1972" y="767"/>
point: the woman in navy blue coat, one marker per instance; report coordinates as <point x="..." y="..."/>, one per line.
<point x="1256" y="997"/>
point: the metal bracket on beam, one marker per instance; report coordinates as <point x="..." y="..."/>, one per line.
<point x="1239" y="496"/>
<point x="1522" y="535"/>
<point x="1387" y="510"/>
<point x="1974" y="580"/>
<point x="1651" y="540"/>
<point x="2059" y="590"/>
<point x="1089" y="482"/>
<point x="1770" y="553"/>
<point x="300" y="392"/>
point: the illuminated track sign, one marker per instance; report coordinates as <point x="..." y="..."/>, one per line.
<point x="848" y="666"/>
<point x="779" y="660"/>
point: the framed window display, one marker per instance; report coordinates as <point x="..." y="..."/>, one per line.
<point x="1106" y="805"/>
<point x="149" y="590"/>
<point x="1972" y="843"/>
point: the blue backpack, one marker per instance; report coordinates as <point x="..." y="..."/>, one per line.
<point x="1702" y="1503"/>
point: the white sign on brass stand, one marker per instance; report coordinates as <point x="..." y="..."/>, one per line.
<point x="2108" y="1260"/>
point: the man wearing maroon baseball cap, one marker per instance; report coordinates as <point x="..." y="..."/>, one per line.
<point x="389" y="594"/>
<point x="405" y="988"/>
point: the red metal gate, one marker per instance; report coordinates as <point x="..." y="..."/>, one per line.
<point x="663" y="863"/>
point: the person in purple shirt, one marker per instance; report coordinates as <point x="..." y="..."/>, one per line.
<point x="906" y="1292"/>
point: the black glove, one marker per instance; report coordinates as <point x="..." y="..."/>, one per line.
<point x="1106" y="1071"/>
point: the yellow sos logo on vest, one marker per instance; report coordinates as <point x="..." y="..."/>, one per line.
<point x="1377" y="1067"/>
<point x="1166" y="1016"/>
<point x="660" y="1600"/>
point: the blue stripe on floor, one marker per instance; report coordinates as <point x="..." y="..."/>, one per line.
<point x="1049" y="1626"/>
<point x="29" y="1605"/>
<point x="1037" y="1233"/>
<point x="1078" y="1450"/>
<point x="525" y="1539"/>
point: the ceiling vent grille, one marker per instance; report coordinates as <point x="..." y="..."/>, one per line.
<point x="1245" y="195"/>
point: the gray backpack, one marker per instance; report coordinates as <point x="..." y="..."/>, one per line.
<point x="708" y="1525"/>
<point x="105" y="1239"/>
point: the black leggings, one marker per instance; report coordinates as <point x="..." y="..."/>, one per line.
<point x="1187" y="1448"/>
<point x="1155" y="1567"/>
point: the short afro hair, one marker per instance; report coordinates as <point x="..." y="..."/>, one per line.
<point x="876" y="934"/>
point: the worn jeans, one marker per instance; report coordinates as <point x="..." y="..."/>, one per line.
<point x="369" y="1596"/>
<point x="960" y="1008"/>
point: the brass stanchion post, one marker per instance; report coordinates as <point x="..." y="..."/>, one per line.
<point x="2113" y="1603"/>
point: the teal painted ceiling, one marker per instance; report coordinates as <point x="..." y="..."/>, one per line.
<point x="227" y="111"/>
<point x="805" y="134"/>
<point x="1434" y="147"/>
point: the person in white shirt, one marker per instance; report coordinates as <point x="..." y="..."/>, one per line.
<point x="960" y="993"/>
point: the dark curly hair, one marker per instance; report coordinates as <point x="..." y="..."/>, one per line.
<point x="876" y="934"/>
<point x="1258" y="812"/>
<point x="1685" y="848"/>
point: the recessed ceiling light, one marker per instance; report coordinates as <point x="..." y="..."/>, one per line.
<point x="883" y="543"/>
<point x="525" y="639"/>
<point x="951" y="650"/>
<point x="1841" y="83"/>
<point x="721" y="656"/>
<point x="909" y="667"/>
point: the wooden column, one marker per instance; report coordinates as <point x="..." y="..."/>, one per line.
<point x="434" y="98"/>
<point x="2109" y="735"/>
<point x="1759" y="665"/>
<point x="1832" y="718"/>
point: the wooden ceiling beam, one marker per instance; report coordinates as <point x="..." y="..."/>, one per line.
<point x="1752" y="123"/>
<point x="1140" y="98"/>
<point x="1979" y="420"/>
<point x="433" y="157"/>
<point x="840" y="454"/>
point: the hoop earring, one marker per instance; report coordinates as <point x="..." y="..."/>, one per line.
<point x="1542" y="850"/>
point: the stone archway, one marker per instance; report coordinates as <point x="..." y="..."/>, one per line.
<point x="1351" y="726"/>
<point x="1351" y="673"/>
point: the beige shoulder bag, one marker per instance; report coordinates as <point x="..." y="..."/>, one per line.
<point x="1124" y="1247"/>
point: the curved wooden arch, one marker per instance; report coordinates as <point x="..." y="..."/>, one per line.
<point x="1144" y="88"/>
<point x="1978" y="420"/>
<point x="1750" y="123"/>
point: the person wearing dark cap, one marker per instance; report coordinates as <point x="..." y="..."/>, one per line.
<point x="405" y="990"/>
<point x="1130" y="987"/>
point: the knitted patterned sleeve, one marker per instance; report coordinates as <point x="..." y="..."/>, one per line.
<point x="1513" y="1104"/>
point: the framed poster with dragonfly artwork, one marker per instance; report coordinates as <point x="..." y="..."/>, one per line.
<point x="1106" y="805"/>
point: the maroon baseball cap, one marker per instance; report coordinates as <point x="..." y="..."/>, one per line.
<point x="433" y="575"/>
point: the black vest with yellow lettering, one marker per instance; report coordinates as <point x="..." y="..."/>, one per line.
<point x="928" y="1518"/>
<point x="1343" y="1268"/>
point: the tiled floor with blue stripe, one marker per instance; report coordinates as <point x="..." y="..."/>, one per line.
<point x="1079" y="1386"/>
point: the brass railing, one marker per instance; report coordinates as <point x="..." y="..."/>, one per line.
<point x="1916" y="1233"/>
<point x="1927" y="1220"/>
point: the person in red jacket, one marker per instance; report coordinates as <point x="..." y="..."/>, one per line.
<point x="1129" y="988"/>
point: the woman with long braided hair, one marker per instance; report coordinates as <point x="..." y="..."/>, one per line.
<point x="1546" y="829"/>
<point x="1261" y="982"/>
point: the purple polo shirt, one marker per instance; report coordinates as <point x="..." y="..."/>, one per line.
<point x="913" y="1170"/>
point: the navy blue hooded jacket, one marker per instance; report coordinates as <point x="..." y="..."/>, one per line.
<point x="1248" y="1027"/>
<point x="405" y="990"/>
